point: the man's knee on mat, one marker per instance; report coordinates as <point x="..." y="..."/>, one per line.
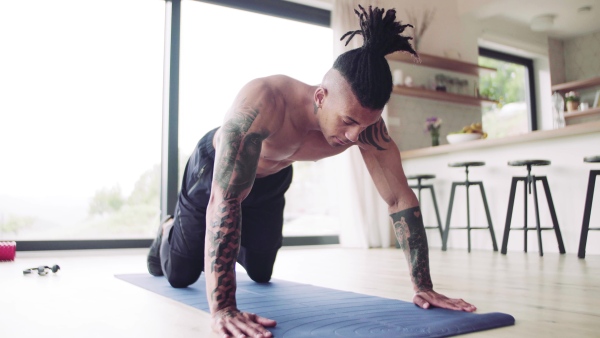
<point x="182" y="271"/>
<point x="183" y="279"/>
<point x="260" y="276"/>
<point x="258" y="265"/>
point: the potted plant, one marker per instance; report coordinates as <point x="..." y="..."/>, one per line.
<point x="572" y="101"/>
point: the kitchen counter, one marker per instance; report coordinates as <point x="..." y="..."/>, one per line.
<point x="567" y="176"/>
<point x="573" y="130"/>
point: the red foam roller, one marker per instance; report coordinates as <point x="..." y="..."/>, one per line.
<point x="7" y="251"/>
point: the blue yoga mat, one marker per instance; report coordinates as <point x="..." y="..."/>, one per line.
<point x="310" y="311"/>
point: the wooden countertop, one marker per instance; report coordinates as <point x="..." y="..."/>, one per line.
<point x="573" y="130"/>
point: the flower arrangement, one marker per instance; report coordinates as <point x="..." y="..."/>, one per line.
<point x="432" y="126"/>
<point x="571" y="96"/>
<point x="572" y="100"/>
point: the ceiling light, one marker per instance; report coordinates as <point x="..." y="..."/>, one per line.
<point x="584" y="9"/>
<point x="542" y="23"/>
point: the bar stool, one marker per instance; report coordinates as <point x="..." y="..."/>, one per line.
<point x="527" y="182"/>
<point x="468" y="184"/>
<point x="419" y="186"/>
<point x="587" y="211"/>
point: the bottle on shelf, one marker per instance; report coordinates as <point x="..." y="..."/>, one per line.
<point x="558" y="114"/>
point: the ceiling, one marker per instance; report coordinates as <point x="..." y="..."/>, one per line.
<point x="569" y="20"/>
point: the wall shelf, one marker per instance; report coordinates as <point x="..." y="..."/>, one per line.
<point x="574" y="85"/>
<point x="441" y="96"/>
<point x="587" y="112"/>
<point x="441" y="63"/>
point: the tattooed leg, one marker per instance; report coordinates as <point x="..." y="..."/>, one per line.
<point x="410" y="232"/>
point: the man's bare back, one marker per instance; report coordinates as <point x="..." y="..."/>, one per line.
<point x="295" y="138"/>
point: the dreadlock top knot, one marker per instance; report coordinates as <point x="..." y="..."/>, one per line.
<point x="381" y="34"/>
<point x="366" y="68"/>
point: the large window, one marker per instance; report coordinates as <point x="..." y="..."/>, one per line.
<point x="80" y="118"/>
<point x="81" y="114"/>
<point x="224" y="48"/>
<point x="512" y="86"/>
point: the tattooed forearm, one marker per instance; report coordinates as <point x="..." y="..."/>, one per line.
<point x="235" y="170"/>
<point x="222" y="247"/>
<point x="410" y="232"/>
<point x="240" y="153"/>
<point x="375" y="135"/>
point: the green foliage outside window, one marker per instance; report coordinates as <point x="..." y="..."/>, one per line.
<point x="506" y="85"/>
<point x="114" y="213"/>
<point x="106" y="201"/>
<point x="14" y="223"/>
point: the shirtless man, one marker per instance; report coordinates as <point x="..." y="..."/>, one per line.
<point x="238" y="174"/>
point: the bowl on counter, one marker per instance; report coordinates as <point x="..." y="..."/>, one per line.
<point x="462" y="137"/>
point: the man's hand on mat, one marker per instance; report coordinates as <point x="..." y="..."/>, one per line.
<point x="426" y="299"/>
<point x="234" y="323"/>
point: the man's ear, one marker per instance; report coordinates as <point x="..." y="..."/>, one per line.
<point x="320" y="94"/>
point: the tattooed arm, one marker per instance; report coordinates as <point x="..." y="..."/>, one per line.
<point x="382" y="157"/>
<point x="237" y="154"/>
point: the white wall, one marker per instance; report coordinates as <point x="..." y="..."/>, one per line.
<point x="454" y="29"/>
<point x="448" y="33"/>
<point x="582" y="61"/>
<point x="582" y="57"/>
<point x="446" y="30"/>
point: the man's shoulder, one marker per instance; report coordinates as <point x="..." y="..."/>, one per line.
<point x="264" y="97"/>
<point x="274" y="83"/>
<point x="272" y="93"/>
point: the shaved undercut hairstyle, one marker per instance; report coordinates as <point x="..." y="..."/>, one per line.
<point x="365" y="68"/>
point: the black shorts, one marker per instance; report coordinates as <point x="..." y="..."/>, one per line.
<point x="262" y="221"/>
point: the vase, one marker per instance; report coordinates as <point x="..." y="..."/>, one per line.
<point x="435" y="139"/>
<point x="572" y="105"/>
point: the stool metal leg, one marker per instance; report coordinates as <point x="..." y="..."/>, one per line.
<point x="419" y="187"/>
<point x="561" y="246"/>
<point x="468" y="185"/>
<point x="537" y="215"/>
<point x="525" y="212"/>
<point x="511" y="204"/>
<point x="487" y="214"/>
<point x="437" y="212"/>
<point x="587" y="212"/>
<point x="445" y="239"/>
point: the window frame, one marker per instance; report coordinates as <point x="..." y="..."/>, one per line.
<point x="170" y="132"/>
<point x="279" y="8"/>
<point x="527" y="63"/>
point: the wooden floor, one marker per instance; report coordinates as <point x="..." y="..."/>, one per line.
<point x="551" y="296"/>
